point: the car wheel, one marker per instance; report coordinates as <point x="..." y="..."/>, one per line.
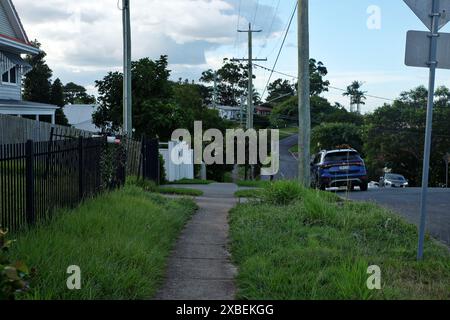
<point x="364" y="187"/>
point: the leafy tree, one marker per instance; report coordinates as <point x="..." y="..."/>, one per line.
<point x="279" y="91"/>
<point x="57" y="94"/>
<point x="442" y="95"/>
<point x="394" y="139"/>
<point x="286" y="113"/>
<point x="57" y="99"/>
<point x="416" y="97"/>
<point x="357" y="96"/>
<point x="317" y="72"/>
<point x="109" y="114"/>
<point x="159" y="105"/>
<point x="76" y="94"/>
<point x="36" y="83"/>
<point x="331" y="135"/>
<point x="232" y="82"/>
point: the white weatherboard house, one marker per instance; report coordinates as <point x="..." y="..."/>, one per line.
<point x="14" y="43"/>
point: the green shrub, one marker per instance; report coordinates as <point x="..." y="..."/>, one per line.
<point x="147" y="185"/>
<point x="283" y="192"/>
<point x="162" y="170"/>
<point x="13" y="277"/>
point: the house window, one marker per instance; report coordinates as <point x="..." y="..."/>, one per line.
<point x="10" y="76"/>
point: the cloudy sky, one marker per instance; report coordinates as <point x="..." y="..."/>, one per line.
<point x="83" y="39"/>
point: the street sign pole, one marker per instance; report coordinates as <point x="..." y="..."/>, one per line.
<point x="429" y="124"/>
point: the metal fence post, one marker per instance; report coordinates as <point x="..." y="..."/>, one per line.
<point x="80" y="168"/>
<point x="29" y="182"/>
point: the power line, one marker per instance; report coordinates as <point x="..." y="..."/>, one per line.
<point x="237" y="26"/>
<point x="270" y="28"/>
<point x="331" y="87"/>
<point x="281" y="48"/>
<point x="256" y="12"/>
<point x="278" y="42"/>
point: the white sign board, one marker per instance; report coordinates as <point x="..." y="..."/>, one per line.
<point x="418" y="50"/>
<point x="423" y="9"/>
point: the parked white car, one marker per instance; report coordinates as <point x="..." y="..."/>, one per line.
<point x="392" y="180"/>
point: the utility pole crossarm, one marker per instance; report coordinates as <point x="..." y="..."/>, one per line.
<point x="250" y="59"/>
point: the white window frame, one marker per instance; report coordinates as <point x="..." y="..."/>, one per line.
<point x="9" y="74"/>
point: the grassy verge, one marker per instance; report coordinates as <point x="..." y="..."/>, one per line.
<point x="305" y="244"/>
<point x="150" y="186"/>
<point x="250" y="193"/>
<point x="287" y="132"/>
<point x="192" y="181"/>
<point x="180" y="191"/>
<point x="119" y="240"/>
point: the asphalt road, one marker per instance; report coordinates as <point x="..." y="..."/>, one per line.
<point x="288" y="164"/>
<point x="406" y="202"/>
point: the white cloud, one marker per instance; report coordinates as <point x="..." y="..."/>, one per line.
<point x="84" y="37"/>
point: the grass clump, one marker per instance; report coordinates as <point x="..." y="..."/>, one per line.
<point x="316" y="246"/>
<point x="180" y="191"/>
<point x="151" y="186"/>
<point x="287" y="132"/>
<point x="120" y="241"/>
<point x="283" y="192"/>
<point x="249" y="193"/>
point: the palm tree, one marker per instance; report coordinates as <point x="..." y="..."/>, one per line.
<point x="357" y="96"/>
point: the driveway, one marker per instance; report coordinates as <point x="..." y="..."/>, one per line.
<point x="406" y="202"/>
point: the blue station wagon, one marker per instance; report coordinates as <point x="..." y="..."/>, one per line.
<point x="339" y="168"/>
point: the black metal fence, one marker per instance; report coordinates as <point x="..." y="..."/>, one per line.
<point x="38" y="177"/>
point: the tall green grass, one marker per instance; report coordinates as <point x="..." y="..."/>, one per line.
<point x="312" y="245"/>
<point x="120" y="240"/>
<point x="151" y="186"/>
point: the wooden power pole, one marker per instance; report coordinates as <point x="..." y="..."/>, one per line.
<point x="127" y="99"/>
<point x="304" y="111"/>
<point x="250" y="107"/>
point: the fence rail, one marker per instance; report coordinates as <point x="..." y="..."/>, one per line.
<point x="38" y="177"/>
<point x="19" y="130"/>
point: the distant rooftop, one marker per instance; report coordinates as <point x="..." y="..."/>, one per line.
<point x="80" y="116"/>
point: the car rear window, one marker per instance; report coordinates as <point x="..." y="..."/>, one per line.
<point x="342" y="156"/>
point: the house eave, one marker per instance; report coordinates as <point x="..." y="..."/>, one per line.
<point x="15" y="46"/>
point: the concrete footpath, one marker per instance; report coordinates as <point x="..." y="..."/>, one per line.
<point x="200" y="267"/>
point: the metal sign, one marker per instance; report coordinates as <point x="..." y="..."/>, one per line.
<point x="434" y="13"/>
<point x="418" y="50"/>
<point x="423" y="9"/>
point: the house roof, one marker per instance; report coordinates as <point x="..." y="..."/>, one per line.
<point x="5" y="103"/>
<point x="80" y="116"/>
<point x="262" y="108"/>
<point x="228" y="108"/>
<point x="17" y="38"/>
